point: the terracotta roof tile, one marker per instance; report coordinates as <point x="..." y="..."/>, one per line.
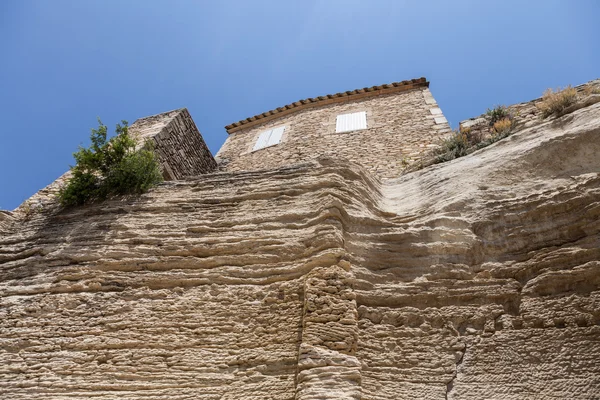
<point x="327" y="99"/>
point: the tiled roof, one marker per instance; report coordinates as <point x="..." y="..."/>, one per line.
<point x="327" y="99"/>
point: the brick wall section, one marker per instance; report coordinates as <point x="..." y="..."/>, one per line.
<point x="400" y="127"/>
<point x="178" y="144"/>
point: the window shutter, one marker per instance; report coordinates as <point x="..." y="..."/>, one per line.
<point x="269" y="138"/>
<point x="262" y="141"/>
<point x="351" y="122"/>
<point x="275" y="137"/>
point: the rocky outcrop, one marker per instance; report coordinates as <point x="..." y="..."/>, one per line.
<point x="6" y="220"/>
<point x="477" y="278"/>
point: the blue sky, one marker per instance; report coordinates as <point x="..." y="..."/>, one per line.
<point x="64" y="63"/>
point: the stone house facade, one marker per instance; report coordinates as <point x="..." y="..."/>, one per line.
<point x="383" y="128"/>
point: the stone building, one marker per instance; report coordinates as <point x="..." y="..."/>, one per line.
<point x="382" y="128"/>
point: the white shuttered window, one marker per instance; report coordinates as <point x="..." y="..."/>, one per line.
<point x="269" y="138"/>
<point x="351" y="122"/>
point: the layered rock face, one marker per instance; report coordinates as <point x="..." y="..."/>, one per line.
<point x="474" y="279"/>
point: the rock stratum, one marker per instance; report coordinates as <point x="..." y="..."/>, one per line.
<point x="474" y="279"/>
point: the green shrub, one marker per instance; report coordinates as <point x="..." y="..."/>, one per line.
<point x="496" y="114"/>
<point x="454" y="146"/>
<point x="110" y="167"/>
<point x="466" y="141"/>
<point x="502" y="123"/>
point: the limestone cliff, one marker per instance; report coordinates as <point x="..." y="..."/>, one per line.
<point x="474" y="279"/>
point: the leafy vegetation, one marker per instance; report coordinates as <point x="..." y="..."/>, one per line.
<point x="555" y="102"/>
<point x="496" y="114"/>
<point x="110" y="167"/>
<point x="501" y="123"/>
<point x="463" y="142"/>
<point x="456" y="145"/>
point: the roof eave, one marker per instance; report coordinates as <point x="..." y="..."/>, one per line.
<point x="320" y="101"/>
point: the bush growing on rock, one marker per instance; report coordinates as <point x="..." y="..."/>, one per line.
<point x="496" y="114"/>
<point x="503" y="126"/>
<point x="555" y="102"/>
<point x="110" y="167"/>
<point x="463" y="142"/>
<point x="454" y="146"/>
<point x="591" y="89"/>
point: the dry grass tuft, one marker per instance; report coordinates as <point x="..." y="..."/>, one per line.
<point x="591" y="89"/>
<point x="503" y="126"/>
<point x="554" y="102"/>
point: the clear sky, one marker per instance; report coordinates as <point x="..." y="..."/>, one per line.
<point x="65" y="62"/>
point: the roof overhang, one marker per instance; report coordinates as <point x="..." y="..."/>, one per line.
<point x="320" y="101"/>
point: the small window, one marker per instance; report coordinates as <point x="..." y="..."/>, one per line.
<point x="351" y="122"/>
<point x="269" y="138"/>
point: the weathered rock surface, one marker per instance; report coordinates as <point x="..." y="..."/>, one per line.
<point x="474" y="279"/>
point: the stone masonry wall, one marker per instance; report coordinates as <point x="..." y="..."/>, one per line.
<point x="179" y="145"/>
<point x="400" y="127"/>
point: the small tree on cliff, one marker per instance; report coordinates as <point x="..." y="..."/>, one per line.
<point x="110" y="167"/>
